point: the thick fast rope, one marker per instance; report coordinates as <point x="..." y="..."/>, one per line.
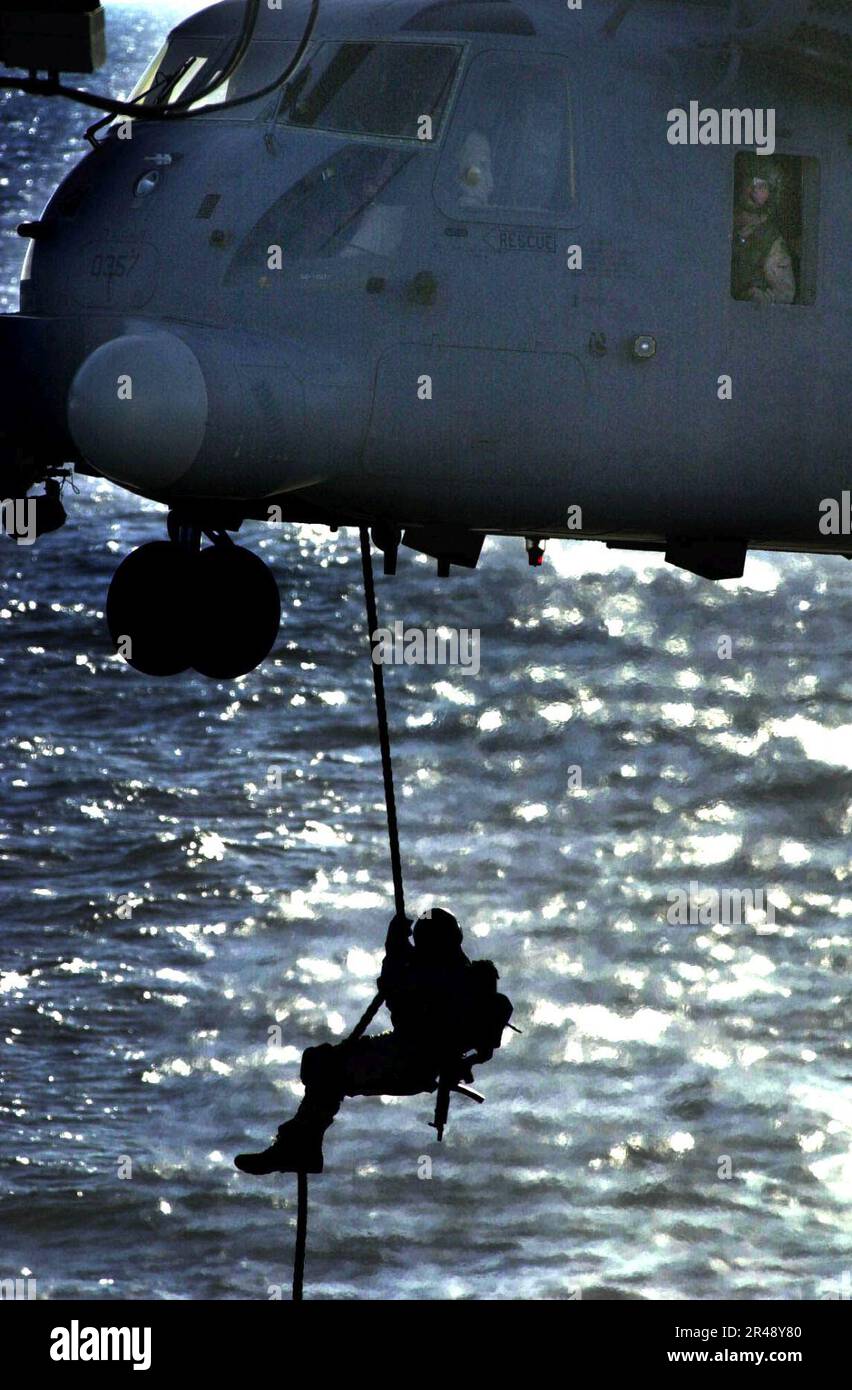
<point x="382" y="714"/>
<point x="387" y="766"/>
<point x="396" y="869"/>
<point x="301" y="1238"/>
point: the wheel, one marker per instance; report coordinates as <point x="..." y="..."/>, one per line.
<point x="148" y="607"/>
<point x="385" y="535"/>
<point x="236" y="612"/>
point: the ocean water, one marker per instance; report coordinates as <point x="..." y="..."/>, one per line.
<point x="194" y="886"/>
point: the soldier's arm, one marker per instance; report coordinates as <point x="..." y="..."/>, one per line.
<point x="398" y="952"/>
<point x="778" y="269"/>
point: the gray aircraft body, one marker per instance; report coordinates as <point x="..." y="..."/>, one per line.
<point x="467" y="271"/>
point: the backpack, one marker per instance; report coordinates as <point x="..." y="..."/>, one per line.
<point x="489" y="1011"/>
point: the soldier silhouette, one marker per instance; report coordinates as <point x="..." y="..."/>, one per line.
<point x="761" y="267"/>
<point x="447" y="1017"/>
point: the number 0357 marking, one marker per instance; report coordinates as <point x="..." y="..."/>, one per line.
<point x="109" y="265"/>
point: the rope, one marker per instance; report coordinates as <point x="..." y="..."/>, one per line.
<point x="382" y="714"/>
<point x="387" y="766"/>
<point x="301" y="1238"/>
<point x="396" y="868"/>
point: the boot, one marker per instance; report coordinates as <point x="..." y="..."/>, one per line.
<point x="296" y="1149"/>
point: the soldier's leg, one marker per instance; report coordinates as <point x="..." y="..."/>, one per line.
<point x="383" y="1066"/>
<point x="297" y="1147"/>
<point x="368" y="1067"/>
<point x="322" y="1075"/>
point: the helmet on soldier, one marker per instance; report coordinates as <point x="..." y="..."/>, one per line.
<point x="437" y="934"/>
<point x="756" y="171"/>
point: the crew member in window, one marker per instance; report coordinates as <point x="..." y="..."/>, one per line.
<point x="761" y="267"/>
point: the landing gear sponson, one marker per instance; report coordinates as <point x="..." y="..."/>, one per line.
<point x="174" y="606"/>
<point x="178" y="605"/>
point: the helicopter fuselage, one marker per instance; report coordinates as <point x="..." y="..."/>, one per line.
<point x="518" y="319"/>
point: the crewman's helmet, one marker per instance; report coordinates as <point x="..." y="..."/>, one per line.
<point x="758" y="166"/>
<point x="437" y="934"/>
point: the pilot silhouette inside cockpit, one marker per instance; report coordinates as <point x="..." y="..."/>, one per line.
<point x="514" y="157"/>
<point x="476" y="178"/>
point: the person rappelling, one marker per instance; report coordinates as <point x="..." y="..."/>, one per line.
<point x="447" y="1017"/>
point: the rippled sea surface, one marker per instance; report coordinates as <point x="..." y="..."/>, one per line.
<point x="186" y="865"/>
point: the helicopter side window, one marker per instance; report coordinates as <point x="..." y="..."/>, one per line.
<point x="509" y="155"/>
<point x="774" y="235"/>
<point x="379" y="89"/>
<point x="188" y="65"/>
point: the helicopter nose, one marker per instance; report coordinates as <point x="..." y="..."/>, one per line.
<point x="138" y="408"/>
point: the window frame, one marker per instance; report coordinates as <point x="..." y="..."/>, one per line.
<point x="808" y="278"/>
<point x="248" y="114"/>
<point x="458" y="46"/>
<point x="506" y="215"/>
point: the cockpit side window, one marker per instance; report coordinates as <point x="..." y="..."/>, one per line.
<point x="188" y="65"/>
<point x="395" y="90"/>
<point x="509" y="155"/>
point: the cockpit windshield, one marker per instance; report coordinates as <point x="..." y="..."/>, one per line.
<point x="186" y="65"/>
<point x="397" y="90"/>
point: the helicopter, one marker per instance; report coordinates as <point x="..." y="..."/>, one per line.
<point x="450" y="277"/>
